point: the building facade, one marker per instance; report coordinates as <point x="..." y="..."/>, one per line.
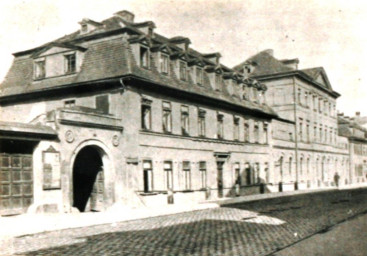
<point x="116" y="115"/>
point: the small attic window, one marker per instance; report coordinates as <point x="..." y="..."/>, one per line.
<point x="217" y="82"/>
<point x="199" y="75"/>
<point x="70" y="63"/>
<point x="183" y="70"/>
<point x="164" y="63"/>
<point x="144" y="57"/>
<point x="84" y="28"/>
<point x="40" y="69"/>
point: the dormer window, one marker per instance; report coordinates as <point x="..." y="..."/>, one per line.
<point x="84" y="28"/>
<point x="199" y="75"/>
<point x="40" y="69"/>
<point x="70" y="63"/>
<point x="183" y="71"/>
<point x="217" y="82"/>
<point x="144" y="57"/>
<point x="164" y="63"/>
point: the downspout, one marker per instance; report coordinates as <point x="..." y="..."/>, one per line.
<point x="295" y="131"/>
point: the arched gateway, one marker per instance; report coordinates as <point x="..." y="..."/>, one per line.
<point x="88" y="179"/>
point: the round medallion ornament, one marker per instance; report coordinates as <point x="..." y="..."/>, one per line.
<point x="69" y="136"/>
<point x="115" y="140"/>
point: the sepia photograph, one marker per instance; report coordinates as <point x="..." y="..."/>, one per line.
<point x="193" y="127"/>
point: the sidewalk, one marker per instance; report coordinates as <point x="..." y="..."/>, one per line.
<point x="27" y="224"/>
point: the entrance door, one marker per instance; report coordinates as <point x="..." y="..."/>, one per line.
<point x="88" y="180"/>
<point x="96" y="197"/>
<point x="220" y="178"/>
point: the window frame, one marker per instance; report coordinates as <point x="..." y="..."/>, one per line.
<point x="146" y="105"/>
<point x="201" y="123"/>
<point x="144" y="57"/>
<point x="185" y="120"/>
<point x="167" y="113"/>
<point x="220" y="126"/>
<point x="168" y="174"/>
<point x="203" y="174"/>
<point x="70" y="63"/>
<point x="39" y="69"/>
<point x="187" y="174"/>
<point x="182" y="70"/>
<point x="150" y="186"/>
<point x="164" y="63"/>
<point x="199" y="75"/>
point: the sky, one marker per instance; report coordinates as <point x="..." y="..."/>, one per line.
<point x="327" y="33"/>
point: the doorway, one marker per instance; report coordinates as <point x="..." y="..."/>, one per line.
<point x="88" y="180"/>
<point x="220" y="178"/>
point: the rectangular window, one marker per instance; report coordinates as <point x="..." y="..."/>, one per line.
<point x="320" y="134"/>
<point x="306" y="99"/>
<point x="300" y="127"/>
<point x="237" y="174"/>
<point x="257" y="132"/>
<point x="146" y="115"/>
<point x="187" y="173"/>
<point x="199" y="75"/>
<point x="148" y="176"/>
<point x="185" y="120"/>
<point x="247" y="131"/>
<point x="183" y="71"/>
<point x="40" y="69"/>
<point x="236" y="128"/>
<point x="220" y="126"/>
<point x="248" y="172"/>
<point x="308" y="131"/>
<point x="202" y="169"/>
<point x="257" y="173"/>
<point x="144" y="57"/>
<point x="70" y="63"/>
<point x="299" y="96"/>
<point x="201" y="122"/>
<point x="164" y="63"/>
<point x="102" y="104"/>
<point x="320" y="105"/>
<point x="69" y="103"/>
<point x="217" y="82"/>
<point x="168" y="174"/>
<point x="315" y="133"/>
<point x="314" y="103"/>
<point x="265" y="134"/>
<point x="167" y="117"/>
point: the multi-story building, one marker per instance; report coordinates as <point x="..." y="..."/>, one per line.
<point x="123" y="116"/>
<point x="306" y="98"/>
<point x="357" y="140"/>
<point x="115" y="114"/>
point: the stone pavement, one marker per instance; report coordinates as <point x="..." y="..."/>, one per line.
<point x="252" y="228"/>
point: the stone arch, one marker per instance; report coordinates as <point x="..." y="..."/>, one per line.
<point x="101" y="157"/>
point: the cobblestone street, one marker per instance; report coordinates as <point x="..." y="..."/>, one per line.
<point x="257" y="228"/>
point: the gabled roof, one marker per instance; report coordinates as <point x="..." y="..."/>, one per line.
<point x="61" y="45"/>
<point x="318" y="75"/>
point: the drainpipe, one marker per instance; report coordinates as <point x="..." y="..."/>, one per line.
<point x="295" y="131"/>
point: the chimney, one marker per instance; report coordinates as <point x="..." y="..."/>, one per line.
<point x="358" y="113"/>
<point x="292" y="63"/>
<point x="125" y="15"/>
<point x="270" y="52"/>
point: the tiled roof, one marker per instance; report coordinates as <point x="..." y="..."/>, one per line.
<point x="113" y="58"/>
<point x="264" y="64"/>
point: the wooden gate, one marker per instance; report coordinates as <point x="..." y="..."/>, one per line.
<point x="16" y="183"/>
<point x="97" y="195"/>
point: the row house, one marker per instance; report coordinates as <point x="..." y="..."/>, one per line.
<point x="116" y="115"/>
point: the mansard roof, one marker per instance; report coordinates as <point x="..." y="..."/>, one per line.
<point x="111" y="59"/>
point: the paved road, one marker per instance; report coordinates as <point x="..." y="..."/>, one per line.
<point x="258" y="228"/>
<point x="348" y="238"/>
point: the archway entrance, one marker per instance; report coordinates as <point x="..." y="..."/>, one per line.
<point x="88" y="180"/>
